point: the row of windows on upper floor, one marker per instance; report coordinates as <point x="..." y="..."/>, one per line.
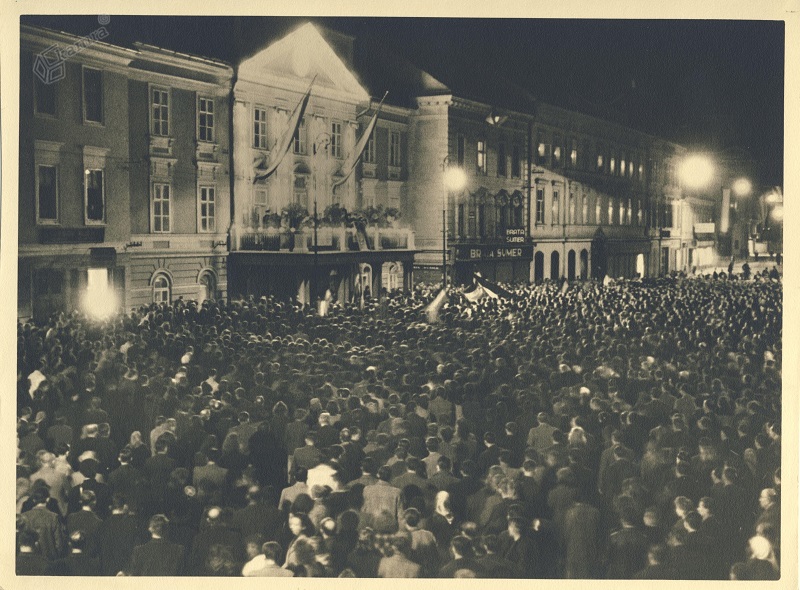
<point x="94" y="201"/>
<point x="609" y="160"/>
<point x="93" y="108"/>
<point x="46" y="101"/>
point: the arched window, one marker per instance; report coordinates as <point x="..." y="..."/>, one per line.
<point x="162" y="289"/>
<point x="555" y="266"/>
<point x="208" y="286"/>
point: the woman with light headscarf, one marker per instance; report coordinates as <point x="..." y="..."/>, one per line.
<point x="761" y="563"/>
<point x="443" y="524"/>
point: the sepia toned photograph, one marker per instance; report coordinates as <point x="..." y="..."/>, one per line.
<point x="399" y="297"/>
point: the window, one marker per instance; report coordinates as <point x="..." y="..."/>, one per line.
<point x="92" y="95"/>
<point x="205" y="119"/>
<point x="610" y="209"/>
<point x="641" y="172"/>
<point x="45" y="97"/>
<point x="557" y="150"/>
<point x="460" y="147"/>
<point x="573" y="154"/>
<point x="481" y="162"/>
<point x="161" y="289"/>
<point x="623" y="164"/>
<point x="260" y="128"/>
<point x="47" y="194"/>
<point x="299" y="141"/>
<point x="207" y="209"/>
<point x="461" y="219"/>
<point x="336" y="139"/>
<point x="571" y="208"/>
<point x="612" y="165"/>
<point x="161" y="209"/>
<point x="95" y="198"/>
<point x="515" y="162"/>
<point x="556" y="209"/>
<point x="597" y="210"/>
<point x="501" y="160"/>
<point x="541" y="150"/>
<point x="394" y="148"/>
<point x="600" y="159"/>
<point x="585" y="209"/>
<point x="369" y="149"/>
<point x="540" y="206"/>
<point x="639" y="212"/>
<point x="160" y="109"/>
<point x="300" y="189"/>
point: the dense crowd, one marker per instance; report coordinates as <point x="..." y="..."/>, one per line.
<point x="630" y="430"/>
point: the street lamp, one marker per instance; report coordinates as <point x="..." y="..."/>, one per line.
<point x="742" y="187"/>
<point x="696" y="171"/>
<point x="454" y="180"/>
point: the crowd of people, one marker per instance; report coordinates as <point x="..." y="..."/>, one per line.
<point x="627" y="431"/>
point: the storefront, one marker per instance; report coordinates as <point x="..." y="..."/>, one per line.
<point x="505" y="263"/>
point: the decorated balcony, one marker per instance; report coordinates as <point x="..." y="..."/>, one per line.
<point x="329" y="239"/>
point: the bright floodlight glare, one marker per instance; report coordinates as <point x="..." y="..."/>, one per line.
<point x="99" y="300"/>
<point x="777" y="213"/>
<point x="455" y="179"/>
<point x="696" y="171"/>
<point x="773" y="198"/>
<point x="742" y="187"/>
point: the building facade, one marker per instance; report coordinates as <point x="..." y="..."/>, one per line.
<point x="141" y="180"/>
<point x="121" y="203"/>
<point x="273" y="248"/>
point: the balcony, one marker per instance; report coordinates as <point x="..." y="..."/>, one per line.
<point x="329" y="239"/>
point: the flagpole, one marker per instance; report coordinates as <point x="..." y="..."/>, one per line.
<point x="322" y="141"/>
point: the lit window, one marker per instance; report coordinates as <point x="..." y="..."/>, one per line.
<point x="628" y="213"/>
<point x="47" y="194"/>
<point x="639" y="212"/>
<point x="612" y="165"/>
<point x="205" y="119"/>
<point x="610" y="210"/>
<point x="540" y="206"/>
<point x="207" y="208"/>
<point x="394" y="148"/>
<point x="336" y="139"/>
<point x="600" y="161"/>
<point x="161" y="208"/>
<point x="573" y="154"/>
<point x="585" y="209"/>
<point x="161" y="289"/>
<point x="45" y="99"/>
<point x="641" y="171"/>
<point x="260" y="128"/>
<point x="555" y="213"/>
<point x="557" y="151"/>
<point x="501" y="160"/>
<point x="159" y="100"/>
<point x="94" y="196"/>
<point x="481" y="157"/>
<point x="92" y="95"/>
<point x="571" y="208"/>
<point x="597" y="211"/>
<point x="623" y="165"/>
<point x="100" y="300"/>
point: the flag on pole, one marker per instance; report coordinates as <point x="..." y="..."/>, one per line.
<point x="435" y="306"/>
<point x="325" y="304"/>
<point x="476" y="293"/>
<point x="285" y="141"/>
<point x="355" y="156"/>
<point x="491" y="289"/>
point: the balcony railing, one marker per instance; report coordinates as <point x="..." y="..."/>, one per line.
<point x="329" y="239"/>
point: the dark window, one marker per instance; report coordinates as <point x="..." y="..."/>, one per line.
<point x="48" y="193"/>
<point x="45" y="97"/>
<point x="461" y="220"/>
<point x="92" y="95"/>
<point x="501" y="160"/>
<point x="460" y="150"/>
<point x="95" y="200"/>
<point x="515" y="163"/>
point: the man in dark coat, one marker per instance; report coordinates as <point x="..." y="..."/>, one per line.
<point x="117" y="536"/>
<point x="627" y="548"/>
<point x="581" y="541"/>
<point x="157" y="557"/>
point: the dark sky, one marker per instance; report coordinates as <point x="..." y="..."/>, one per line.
<point x="705" y="84"/>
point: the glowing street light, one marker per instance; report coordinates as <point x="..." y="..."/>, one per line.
<point x="696" y="171"/>
<point x="742" y="187"/>
<point x="777" y="213"/>
<point x="455" y="179"/>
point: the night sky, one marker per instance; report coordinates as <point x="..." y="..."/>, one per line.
<point x="705" y="84"/>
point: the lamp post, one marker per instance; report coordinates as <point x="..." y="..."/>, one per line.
<point x="695" y="172"/>
<point x="454" y="180"/>
<point x="322" y="142"/>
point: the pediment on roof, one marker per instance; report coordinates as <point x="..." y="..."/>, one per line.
<point x="303" y="55"/>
